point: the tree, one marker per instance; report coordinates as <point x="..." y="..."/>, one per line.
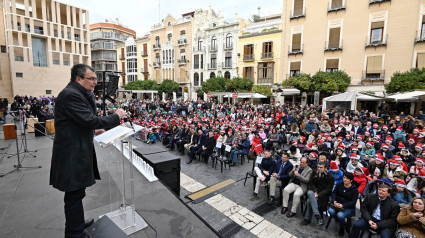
<point x="406" y="81"/>
<point x="328" y="82"/>
<point x="262" y="89"/>
<point x="142" y="85"/>
<point x="168" y="86"/>
<point x="302" y="82"/>
<point x="239" y="85"/>
<point x="214" y="85"/>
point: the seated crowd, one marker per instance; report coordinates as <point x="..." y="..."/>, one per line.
<point x="325" y="160"/>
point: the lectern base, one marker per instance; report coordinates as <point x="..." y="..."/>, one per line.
<point x="123" y="218"/>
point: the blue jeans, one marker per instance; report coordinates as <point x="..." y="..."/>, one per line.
<point x="361" y="224"/>
<point x="340" y="216"/>
<point x="234" y="155"/>
<point x="312" y="206"/>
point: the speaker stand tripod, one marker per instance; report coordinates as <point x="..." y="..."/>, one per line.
<point x="19" y="166"/>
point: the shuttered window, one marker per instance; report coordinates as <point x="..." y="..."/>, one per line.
<point x="248" y="73"/>
<point x="267" y="47"/>
<point x="420" y="62"/>
<point x="374" y="64"/>
<point x="248" y="49"/>
<point x="336" y="4"/>
<point x="296" y="65"/>
<point x="296" y="42"/>
<point x="334" y="34"/>
<point x="298" y="7"/>
<point x="332" y="65"/>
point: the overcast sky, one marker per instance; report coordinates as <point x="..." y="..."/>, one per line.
<point x="140" y="15"/>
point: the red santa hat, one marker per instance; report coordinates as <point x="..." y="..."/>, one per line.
<point x="389" y="138"/>
<point x="375" y="124"/>
<point x="354" y="156"/>
<point x="411" y="140"/>
<point x="359" y="137"/>
<point x="294" y="143"/>
<point x="380" y="158"/>
<point x="418" y="146"/>
<point x="367" y="132"/>
<point x="393" y="162"/>
<point x="362" y="169"/>
<point x="340" y="147"/>
<point x="314" y="154"/>
<point x="334" y="167"/>
<point x="370" y="143"/>
<point x="320" y="142"/>
<point x="397" y="158"/>
<point x="310" y="145"/>
<point x="401" y="146"/>
<point x="400" y="128"/>
<point x="302" y="139"/>
<point x="340" y="138"/>
<point x="354" y="148"/>
<point x="400" y="183"/>
<point x="384" y="127"/>
<point x="356" y="123"/>
<point x="385" y="146"/>
<point x="420" y="160"/>
<point x="416" y="129"/>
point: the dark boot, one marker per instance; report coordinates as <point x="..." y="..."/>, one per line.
<point x="341" y="230"/>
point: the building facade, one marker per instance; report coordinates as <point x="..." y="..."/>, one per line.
<point x="259" y="52"/>
<point x="370" y="39"/>
<point x="104" y="38"/>
<point x="40" y="40"/>
<point x="133" y="60"/>
<point x="171" y="42"/>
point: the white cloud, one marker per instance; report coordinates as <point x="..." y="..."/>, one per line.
<point x="140" y="15"/>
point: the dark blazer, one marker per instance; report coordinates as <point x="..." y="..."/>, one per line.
<point x="346" y="196"/>
<point x="323" y="187"/>
<point x="245" y="145"/>
<point x="389" y="211"/>
<point x="210" y="144"/>
<point x="284" y="175"/>
<point x="358" y="132"/>
<point x="268" y="164"/>
<point x="74" y="164"/>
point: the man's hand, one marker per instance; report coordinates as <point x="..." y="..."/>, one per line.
<point x="121" y="113"/>
<point x="98" y="132"/>
<point x="296" y="173"/>
<point x="262" y="178"/>
<point x="316" y="195"/>
<point x="266" y="172"/>
<point x="372" y="224"/>
<point x="275" y="175"/>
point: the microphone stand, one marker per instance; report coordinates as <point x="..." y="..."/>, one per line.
<point x="19" y="165"/>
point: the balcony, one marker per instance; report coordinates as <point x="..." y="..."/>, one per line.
<point x="228" y="46"/>
<point x="378" y="1"/>
<point x="336" y="7"/>
<point x="98" y="66"/>
<point x="296" y="49"/>
<point x="122" y="57"/>
<point x="227" y="65"/>
<point x="182" y="61"/>
<point x="213" y="48"/>
<point x="373" y="75"/>
<point x="420" y="37"/>
<point x="212" y="66"/>
<point x="264" y="81"/>
<point x="250" y="57"/>
<point x="182" y="42"/>
<point x="199" y="49"/>
<point x="184" y="80"/>
<point x="144" y="71"/>
<point x="268" y="55"/>
<point x="333" y="45"/>
<point x="376" y="42"/>
<point x="103" y="46"/>
<point x="156" y="64"/>
<point x="157" y="46"/>
<point x="144" y="53"/>
<point x="297" y="13"/>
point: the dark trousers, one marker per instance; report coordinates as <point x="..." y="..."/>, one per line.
<point x="193" y="151"/>
<point x="74" y="213"/>
<point x="361" y="224"/>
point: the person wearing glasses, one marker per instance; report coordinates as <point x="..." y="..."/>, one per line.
<point x="74" y="164"/>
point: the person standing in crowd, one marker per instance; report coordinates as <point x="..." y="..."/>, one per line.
<point x="74" y="164"/>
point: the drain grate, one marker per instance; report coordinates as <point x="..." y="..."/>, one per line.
<point x="230" y="230"/>
<point x="263" y="209"/>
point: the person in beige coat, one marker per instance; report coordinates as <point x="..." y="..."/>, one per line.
<point x="412" y="219"/>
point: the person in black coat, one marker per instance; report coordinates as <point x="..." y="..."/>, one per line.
<point x="319" y="191"/>
<point x="264" y="172"/>
<point x="280" y="176"/>
<point x="343" y="201"/>
<point x="379" y="212"/>
<point x="208" y="147"/>
<point x="74" y="164"/>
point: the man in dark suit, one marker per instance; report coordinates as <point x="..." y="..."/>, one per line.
<point x="208" y="146"/>
<point x="74" y="164"/>
<point x="280" y="176"/>
<point x="379" y="212"/>
<point x="194" y="149"/>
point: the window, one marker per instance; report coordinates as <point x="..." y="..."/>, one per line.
<point x="170" y="38"/>
<point x="39" y="53"/>
<point x="156" y="42"/>
<point x="213" y="61"/>
<point x="3" y="49"/>
<point x="248" y="52"/>
<point x="145" y="49"/>
<point x="132" y="66"/>
<point x="295" y="69"/>
<point x="228" y="60"/>
<point x="145" y="65"/>
<point x="77" y="37"/>
<point x="336" y="4"/>
<point x="38" y="30"/>
<point x="202" y="62"/>
<point x="182" y="36"/>
<point x="157" y="58"/>
<point x="420" y="61"/>
<point x="214" y="43"/>
<point x="377" y="31"/>
<point x="374" y="67"/>
<point x="48" y="92"/>
<point x="56" y="62"/>
<point x="227" y="75"/>
<point x="212" y="75"/>
<point x="298" y="10"/>
<point x="267" y="50"/>
<point x="200" y="41"/>
<point x="332" y="65"/>
<point x="248" y="73"/>
<point x="296" y="42"/>
<point x="19" y="75"/>
<point x="55" y="33"/>
<point x="265" y="73"/>
<point x="334" y="38"/>
<point x="229" y="41"/>
<point x="169" y="23"/>
<point x="183" y="55"/>
<point x="69" y="35"/>
<point x="196" y="61"/>
<point x="196" y="79"/>
<point x="27" y="28"/>
<point x="423" y="28"/>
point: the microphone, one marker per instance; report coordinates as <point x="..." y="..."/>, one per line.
<point x="130" y="121"/>
<point x="107" y="97"/>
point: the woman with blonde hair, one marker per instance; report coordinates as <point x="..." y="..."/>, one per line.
<point x="412" y="219"/>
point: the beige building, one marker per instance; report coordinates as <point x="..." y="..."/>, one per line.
<point x="104" y="37"/>
<point x="40" y="40"/>
<point x="133" y="60"/>
<point x="171" y="42"/>
<point x="368" y="39"/>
